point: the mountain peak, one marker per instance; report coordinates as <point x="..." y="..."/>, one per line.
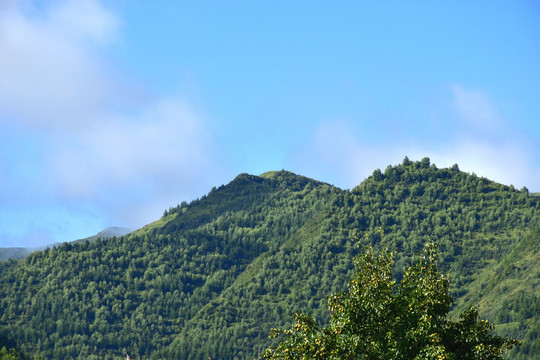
<point x="211" y="278"/>
<point x="113" y="231"/>
<point x="276" y="174"/>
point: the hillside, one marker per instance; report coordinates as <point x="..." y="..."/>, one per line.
<point x="211" y="278"/>
<point x="14" y="253"/>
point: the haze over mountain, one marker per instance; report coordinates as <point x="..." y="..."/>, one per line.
<point x="16" y="253"/>
<point x="213" y="276"/>
<point x="108" y="233"/>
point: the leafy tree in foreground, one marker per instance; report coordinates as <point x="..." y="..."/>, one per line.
<point x="377" y="318"/>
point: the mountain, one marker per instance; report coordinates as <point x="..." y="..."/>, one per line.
<point x="16" y="253"/>
<point x="212" y="277"/>
<point x="109" y="232"/>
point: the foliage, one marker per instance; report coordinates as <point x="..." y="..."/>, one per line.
<point x="137" y="292"/>
<point x="212" y="277"/>
<point x="9" y="354"/>
<point x="9" y="351"/>
<point x="380" y="319"/>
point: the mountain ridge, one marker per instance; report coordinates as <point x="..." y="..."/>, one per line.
<point x="210" y="278"/>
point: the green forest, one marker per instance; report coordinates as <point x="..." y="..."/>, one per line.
<point x="379" y="318"/>
<point x="212" y="277"/>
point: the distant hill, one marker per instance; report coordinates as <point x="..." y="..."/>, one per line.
<point x="16" y="253"/>
<point x="212" y="277"/>
<point x="107" y="233"/>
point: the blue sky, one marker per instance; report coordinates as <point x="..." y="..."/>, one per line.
<point x="112" y="111"/>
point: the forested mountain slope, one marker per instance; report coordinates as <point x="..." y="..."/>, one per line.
<point x="475" y="223"/>
<point x="137" y="292"/>
<point x="212" y="277"/>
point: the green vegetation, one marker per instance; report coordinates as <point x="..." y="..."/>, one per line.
<point x="377" y="318"/>
<point x="13" y="253"/>
<point x="211" y="278"/>
<point x="9" y="351"/>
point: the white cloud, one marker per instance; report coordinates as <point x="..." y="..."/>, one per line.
<point x="50" y="77"/>
<point x="474" y="107"/>
<point x="335" y="154"/>
<point x="338" y="149"/>
<point x="137" y="166"/>
<point x="508" y="163"/>
<point x="160" y="139"/>
<point x="56" y="91"/>
<point x="87" y="20"/>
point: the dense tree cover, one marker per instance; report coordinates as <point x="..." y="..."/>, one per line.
<point x="507" y="294"/>
<point x="8" y="350"/>
<point x="9" y="354"/>
<point x="211" y="278"/>
<point x="137" y="292"/>
<point x="412" y="202"/>
<point x="378" y="318"/>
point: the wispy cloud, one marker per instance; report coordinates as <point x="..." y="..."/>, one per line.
<point x="475" y="108"/>
<point x="60" y="97"/>
<point x="337" y="149"/>
<point x="509" y="163"/>
<point x="87" y="20"/>
<point x="136" y="166"/>
<point x="336" y="154"/>
<point x="53" y="76"/>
